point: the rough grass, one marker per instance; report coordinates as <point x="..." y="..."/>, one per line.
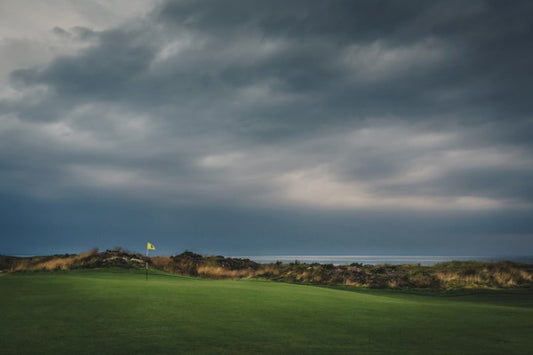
<point x="53" y="262"/>
<point x="121" y="313"/>
<point x="451" y="275"/>
<point x="65" y="263"/>
<point x="445" y="276"/>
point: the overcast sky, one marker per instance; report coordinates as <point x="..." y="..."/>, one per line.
<point x="260" y="127"/>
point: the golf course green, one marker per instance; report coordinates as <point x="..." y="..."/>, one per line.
<point x="118" y="311"/>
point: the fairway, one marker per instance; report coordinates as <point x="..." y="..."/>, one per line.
<point x="117" y="311"/>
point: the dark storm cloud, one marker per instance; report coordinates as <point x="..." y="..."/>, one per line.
<point x="341" y="20"/>
<point x="490" y="44"/>
<point x="415" y="60"/>
<point x="357" y="105"/>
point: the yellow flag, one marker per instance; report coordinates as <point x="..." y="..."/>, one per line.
<point x="150" y="246"/>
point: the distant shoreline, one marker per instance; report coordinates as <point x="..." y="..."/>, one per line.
<point x="426" y="260"/>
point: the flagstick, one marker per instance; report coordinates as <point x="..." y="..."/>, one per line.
<point x="147" y="262"/>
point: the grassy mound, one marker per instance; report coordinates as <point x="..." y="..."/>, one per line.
<point x="444" y="276"/>
<point x="118" y="311"/>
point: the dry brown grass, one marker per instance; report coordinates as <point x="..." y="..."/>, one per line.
<point x="162" y="262"/>
<point x="269" y="269"/>
<point x="524" y="277"/>
<point x="394" y="284"/>
<point x="219" y="272"/>
<point x="21" y="265"/>
<point x="54" y="263"/>
<point x="501" y="276"/>
<point x="446" y="276"/>
<point x="349" y="282"/>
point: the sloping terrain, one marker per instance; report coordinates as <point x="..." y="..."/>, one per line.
<point x="116" y="310"/>
<point x="444" y="276"/>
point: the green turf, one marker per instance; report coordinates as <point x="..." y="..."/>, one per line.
<point x="119" y="312"/>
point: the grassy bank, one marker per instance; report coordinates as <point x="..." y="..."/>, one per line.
<point x="100" y="311"/>
<point x="444" y="276"/>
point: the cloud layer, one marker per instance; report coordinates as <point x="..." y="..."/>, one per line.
<point x="335" y="107"/>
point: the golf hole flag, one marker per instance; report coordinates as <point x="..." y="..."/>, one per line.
<point x="150" y="246"/>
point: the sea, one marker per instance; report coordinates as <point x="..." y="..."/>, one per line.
<point x="426" y="260"/>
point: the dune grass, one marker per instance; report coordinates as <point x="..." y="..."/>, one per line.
<point x="119" y="312"/>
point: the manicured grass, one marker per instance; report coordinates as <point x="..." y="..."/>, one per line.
<point x="118" y="312"/>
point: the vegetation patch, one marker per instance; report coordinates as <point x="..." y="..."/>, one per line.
<point x="443" y="276"/>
